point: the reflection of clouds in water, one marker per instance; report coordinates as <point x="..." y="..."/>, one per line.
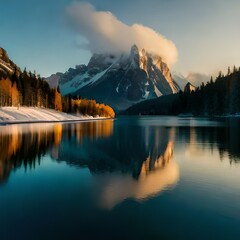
<point x="116" y="187"/>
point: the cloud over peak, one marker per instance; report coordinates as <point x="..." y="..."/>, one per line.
<point x="106" y="34"/>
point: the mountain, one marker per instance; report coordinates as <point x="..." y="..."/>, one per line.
<point x="180" y="80"/>
<point x="196" y="79"/>
<point x="120" y="80"/>
<point x="6" y="65"/>
<point x="53" y="80"/>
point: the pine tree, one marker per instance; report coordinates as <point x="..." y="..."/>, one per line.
<point x="228" y="71"/>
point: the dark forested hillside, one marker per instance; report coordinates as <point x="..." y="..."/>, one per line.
<point x="219" y="97"/>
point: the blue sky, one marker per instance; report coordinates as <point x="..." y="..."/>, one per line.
<point x="206" y="33"/>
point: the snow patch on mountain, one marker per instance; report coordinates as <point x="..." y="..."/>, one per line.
<point x="180" y="80"/>
<point x="81" y="81"/>
<point x="158" y="93"/>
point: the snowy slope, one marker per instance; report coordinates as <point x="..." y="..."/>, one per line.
<point x="81" y="81"/>
<point x="32" y="114"/>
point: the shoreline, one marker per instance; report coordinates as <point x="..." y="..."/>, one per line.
<point x="29" y="115"/>
<point x="55" y="121"/>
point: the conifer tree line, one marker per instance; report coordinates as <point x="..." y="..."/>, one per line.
<point x="29" y="89"/>
<point x="215" y="98"/>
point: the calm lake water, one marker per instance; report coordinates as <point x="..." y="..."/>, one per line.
<point x="132" y="178"/>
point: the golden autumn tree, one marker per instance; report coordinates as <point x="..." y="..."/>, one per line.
<point x="16" y="96"/>
<point x="58" y="100"/>
<point x="5" y="92"/>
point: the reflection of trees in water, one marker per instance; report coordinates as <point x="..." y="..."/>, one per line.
<point x="232" y="143"/>
<point x="225" y="139"/>
<point x="90" y="144"/>
<point x="88" y="130"/>
<point x="24" y="145"/>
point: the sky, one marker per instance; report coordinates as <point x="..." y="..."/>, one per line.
<point x="44" y="35"/>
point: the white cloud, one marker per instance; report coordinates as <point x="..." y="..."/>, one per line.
<point x="106" y="34"/>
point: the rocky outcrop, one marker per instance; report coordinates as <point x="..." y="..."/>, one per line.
<point x="6" y="65"/>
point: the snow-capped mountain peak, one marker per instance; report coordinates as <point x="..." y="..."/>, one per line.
<point x="120" y="80"/>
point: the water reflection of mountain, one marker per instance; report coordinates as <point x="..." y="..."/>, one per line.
<point x="155" y="176"/>
<point x="124" y="151"/>
<point x="103" y="147"/>
<point x="134" y="162"/>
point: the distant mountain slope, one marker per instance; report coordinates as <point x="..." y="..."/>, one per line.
<point x="120" y="80"/>
<point x="53" y="80"/>
<point x="196" y="79"/>
<point x="180" y="80"/>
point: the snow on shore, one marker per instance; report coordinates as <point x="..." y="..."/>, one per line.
<point x="34" y="114"/>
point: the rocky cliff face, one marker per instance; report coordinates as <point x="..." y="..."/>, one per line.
<point x="3" y="55"/>
<point x="120" y="80"/>
<point x="6" y="65"/>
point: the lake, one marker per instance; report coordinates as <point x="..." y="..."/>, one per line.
<point x="129" y="178"/>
